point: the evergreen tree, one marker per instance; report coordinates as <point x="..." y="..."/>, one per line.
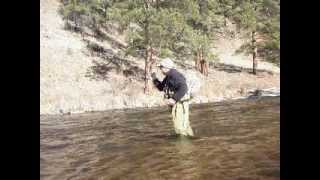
<point x="180" y="29"/>
<point x="140" y="18"/>
<point x="225" y="8"/>
<point x="200" y="17"/>
<point x="260" y="18"/>
<point x="171" y="28"/>
<point x="72" y="11"/>
<point x="270" y="48"/>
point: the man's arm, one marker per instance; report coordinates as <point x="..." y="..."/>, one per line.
<point x="160" y="85"/>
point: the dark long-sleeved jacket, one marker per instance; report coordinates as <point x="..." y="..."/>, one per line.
<point x="173" y="82"/>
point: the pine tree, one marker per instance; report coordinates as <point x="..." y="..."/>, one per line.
<point x="261" y="19"/>
<point x="270" y="48"/>
<point x="203" y="22"/>
<point x="171" y="28"/>
<point x="194" y="31"/>
<point x="225" y="7"/>
<point x="139" y="17"/>
<point x="72" y="11"/>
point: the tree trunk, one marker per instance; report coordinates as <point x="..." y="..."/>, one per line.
<point x="225" y="19"/>
<point x="146" y="73"/>
<point x="203" y="64"/>
<point x="198" y="60"/>
<point x="152" y="59"/>
<point x="204" y="67"/>
<point x="200" y="63"/>
<point x="149" y="61"/>
<point x="254" y="53"/>
<point x="75" y="22"/>
<point x="201" y="68"/>
<point x="105" y="13"/>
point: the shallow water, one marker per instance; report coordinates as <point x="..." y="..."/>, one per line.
<point x="234" y="140"/>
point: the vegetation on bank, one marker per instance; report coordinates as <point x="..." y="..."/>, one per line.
<point x="183" y="30"/>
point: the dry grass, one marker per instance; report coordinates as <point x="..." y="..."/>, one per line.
<point x="67" y="83"/>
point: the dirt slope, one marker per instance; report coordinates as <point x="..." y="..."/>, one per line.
<point x="71" y="80"/>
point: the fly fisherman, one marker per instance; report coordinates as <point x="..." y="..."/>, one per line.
<point x="175" y="88"/>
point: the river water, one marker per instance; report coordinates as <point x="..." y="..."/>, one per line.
<point x="236" y="140"/>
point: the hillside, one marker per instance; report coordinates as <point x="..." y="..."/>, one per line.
<point x="72" y="79"/>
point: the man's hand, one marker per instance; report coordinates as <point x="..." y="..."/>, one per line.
<point x="171" y="102"/>
<point x="153" y="76"/>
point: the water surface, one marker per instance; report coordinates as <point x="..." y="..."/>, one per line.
<point x="236" y="140"/>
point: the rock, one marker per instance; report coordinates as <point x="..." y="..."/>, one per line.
<point x="264" y="92"/>
<point x="242" y="91"/>
<point x="257" y="92"/>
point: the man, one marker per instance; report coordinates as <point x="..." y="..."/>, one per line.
<point x="175" y="88"/>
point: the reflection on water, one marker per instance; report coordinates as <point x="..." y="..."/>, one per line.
<point x="234" y="140"/>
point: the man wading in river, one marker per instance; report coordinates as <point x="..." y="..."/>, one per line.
<point x="175" y="88"/>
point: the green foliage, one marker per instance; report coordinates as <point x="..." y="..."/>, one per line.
<point x="271" y="51"/>
<point x="73" y="10"/>
<point x="91" y="13"/>
<point x="224" y="7"/>
<point x="263" y="17"/>
<point x="178" y="28"/>
<point x="165" y="52"/>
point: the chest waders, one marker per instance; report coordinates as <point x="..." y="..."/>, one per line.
<point x="180" y="115"/>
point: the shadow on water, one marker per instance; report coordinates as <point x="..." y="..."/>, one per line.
<point x="234" y="140"/>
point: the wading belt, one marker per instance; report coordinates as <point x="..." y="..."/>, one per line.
<point x="181" y="102"/>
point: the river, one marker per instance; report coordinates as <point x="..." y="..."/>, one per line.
<point x="234" y="140"/>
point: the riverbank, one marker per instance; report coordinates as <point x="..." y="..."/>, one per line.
<point x="267" y="93"/>
<point x="73" y="80"/>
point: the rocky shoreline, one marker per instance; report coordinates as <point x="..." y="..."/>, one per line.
<point x="253" y="93"/>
